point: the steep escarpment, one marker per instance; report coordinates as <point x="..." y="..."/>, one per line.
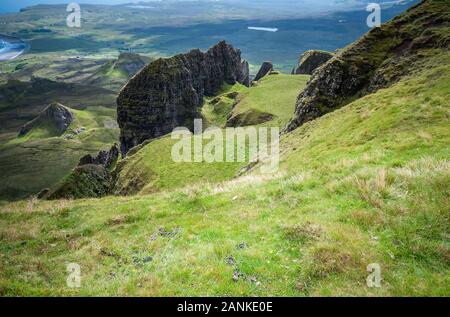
<point x="379" y="59"/>
<point x="265" y="69"/>
<point x="311" y="60"/>
<point x="168" y="92"/>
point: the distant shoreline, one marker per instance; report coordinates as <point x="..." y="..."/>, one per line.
<point x="11" y="47"/>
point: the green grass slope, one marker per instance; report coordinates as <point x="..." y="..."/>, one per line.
<point x="273" y="94"/>
<point x="365" y="184"/>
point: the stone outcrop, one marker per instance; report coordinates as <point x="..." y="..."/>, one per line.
<point x="379" y="59"/>
<point x="55" y="114"/>
<point x="168" y="92"/>
<point x="311" y="60"/>
<point x="87" y="181"/>
<point x="104" y="158"/>
<point x="265" y="69"/>
<point x="93" y="177"/>
<point x="124" y="67"/>
<point x="248" y="118"/>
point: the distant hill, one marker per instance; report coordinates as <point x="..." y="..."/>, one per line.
<point x="114" y="74"/>
<point x="21" y="101"/>
<point x="379" y="59"/>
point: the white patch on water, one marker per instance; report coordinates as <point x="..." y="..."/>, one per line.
<point x="255" y="28"/>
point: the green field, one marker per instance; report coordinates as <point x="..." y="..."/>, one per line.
<point x="40" y="159"/>
<point x="152" y="169"/>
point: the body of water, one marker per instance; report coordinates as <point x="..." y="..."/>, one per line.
<point x="11" y="47"/>
<point x="279" y="41"/>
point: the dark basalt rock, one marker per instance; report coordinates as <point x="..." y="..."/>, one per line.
<point x="248" y="118"/>
<point x="93" y="177"/>
<point x="167" y="93"/>
<point x="85" y="181"/>
<point x="379" y="59"/>
<point x="265" y="69"/>
<point x="55" y="114"/>
<point x="105" y="158"/>
<point x="311" y="60"/>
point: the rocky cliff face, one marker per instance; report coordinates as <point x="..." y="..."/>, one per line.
<point x="168" y="92"/>
<point x="55" y="114"/>
<point x="311" y="60"/>
<point x="104" y="158"/>
<point x="130" y="63"/>
<point x="379" y="59"/>
<point x="265" y="69"/>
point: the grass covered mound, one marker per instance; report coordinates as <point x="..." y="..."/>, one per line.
<point x="42" y="157"/>
<point x="275" y="95"/>
<point x="85" y="181"/>
<point x="365" y="184"/>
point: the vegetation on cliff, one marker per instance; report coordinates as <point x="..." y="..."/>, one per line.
<point x="379" y="59"/>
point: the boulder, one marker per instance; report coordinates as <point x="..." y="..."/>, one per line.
<point x="265" y="69"/>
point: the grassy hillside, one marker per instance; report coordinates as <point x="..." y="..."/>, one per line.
<point x="152" y="168"/>
<point x="114" y="74"/>
<point x="365" y="184"/>
<point x="21" y="101"/>
<point x="273" y="94"/>
<point x="40" y="159"/>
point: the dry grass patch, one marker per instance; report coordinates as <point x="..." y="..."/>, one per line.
<point x="303" y="233"/>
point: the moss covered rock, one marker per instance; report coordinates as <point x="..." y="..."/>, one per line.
<point x="311" y="60"/>
<point x="265" y="69"/>
<point x="85" y="181"/>
<point x="249" y="117"/>
<point x="377" y="60"/>
<point x="168" y="92"/>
